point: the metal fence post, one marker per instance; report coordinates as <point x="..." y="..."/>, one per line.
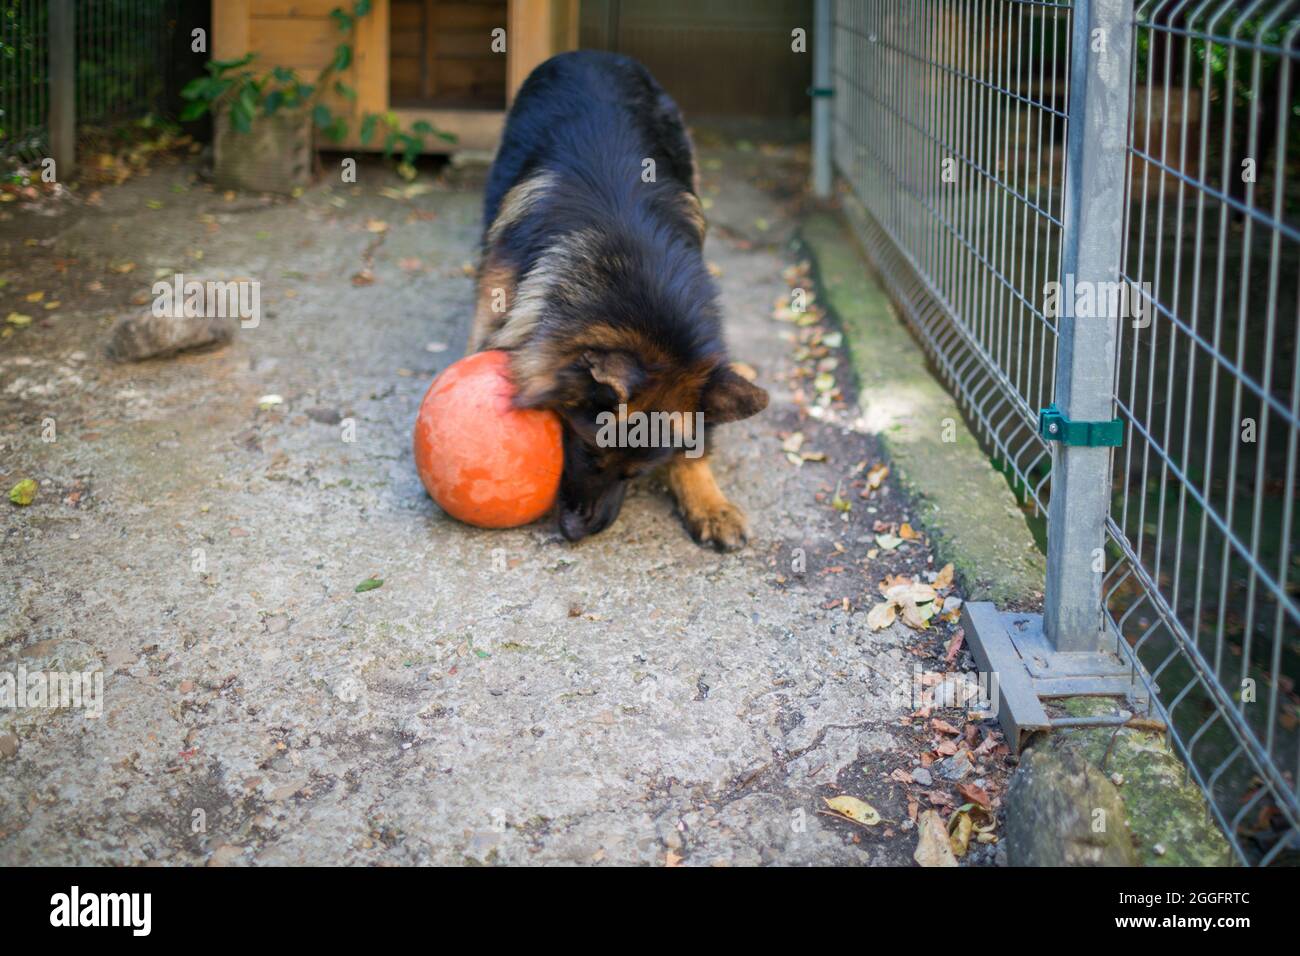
<point x="63" y="87"/>
<point x="823" y="40"/>
<point x="1096" y="161"/>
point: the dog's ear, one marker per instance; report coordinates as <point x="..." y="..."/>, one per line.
<point x="618" y="371"/>
<point x="729" y="397"/>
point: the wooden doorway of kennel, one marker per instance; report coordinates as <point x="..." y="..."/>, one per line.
<point x="434" y="60"/>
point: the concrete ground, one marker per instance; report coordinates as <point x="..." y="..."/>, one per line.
<point x="504" y="696"/>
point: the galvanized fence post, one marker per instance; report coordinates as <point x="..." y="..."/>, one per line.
<point x="823" y="49"/>
<point x="1081" y="426"/>
<point x="63" y="87"/>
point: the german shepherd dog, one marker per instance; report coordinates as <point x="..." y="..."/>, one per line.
<point x="593" y="278"/>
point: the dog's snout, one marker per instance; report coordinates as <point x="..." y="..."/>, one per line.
<point x="573" y="525"/>
<point x="589" y="516"/>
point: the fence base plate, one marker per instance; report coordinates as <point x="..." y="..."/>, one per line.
<point x="1011" y="646"/>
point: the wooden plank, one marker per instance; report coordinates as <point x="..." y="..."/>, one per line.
<point x="463" y="43"/>
<point x="406" y="45"/>
<point x="406" y="15"/>
<point x="468" y="78"/>
<point x="528" y="40"/>
<point x="230" y="29"/>
<point x="291" y="8"/>
<point x="404" y="77"/>
<point x="428" y="78"/>
<point x="474" y="129"/>
<point x="293" y="42"/>
<point x="370" y="71"/>
<point x="470" y="16"/>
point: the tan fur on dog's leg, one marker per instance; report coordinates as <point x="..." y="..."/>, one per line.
<point x="710" y="517"/>
<point x="496" y="286"/>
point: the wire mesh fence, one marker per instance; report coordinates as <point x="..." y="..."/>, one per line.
<point x="951" y="121"/>
<point x="124" y="68"/>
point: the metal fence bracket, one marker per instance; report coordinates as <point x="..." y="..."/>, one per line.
<point x="1054" y="426"/>
<point x="1026" y="670"/>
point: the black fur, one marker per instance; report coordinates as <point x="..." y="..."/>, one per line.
<point x="592" y="118"/>
<point x="588" y="121"/>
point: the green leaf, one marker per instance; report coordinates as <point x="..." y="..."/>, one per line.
<point x="193" y="110"/>
<point x="338" y="129"/>
<point x="197" y="88"/>
<point x="361" y="8"/>
<point x="274" y="100"/>
<point x="369" y="584"/>
<point x="321" y="116"/>
<point x="283" y="74"/>
<point x="368" y="125"/>
<point x="342" y="89"/>
<point x="342" y="57"/>
<point x="241" y="118"/>
<point x="411" y="150"/>
<point x="223" y="66"/>
<point x="342" y="18"/>
<point x="422" y="127"/>
<point x="448" y="137"/>
<point x="23" y="493"/>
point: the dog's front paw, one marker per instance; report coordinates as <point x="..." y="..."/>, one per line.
<point x="723" y="526"/>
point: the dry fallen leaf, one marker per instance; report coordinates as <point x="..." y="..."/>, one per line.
<point x="856" y="810"/>
<point x="975" y="794"/>
<point x="881" y="616"/>
<point x="944" y="578"/>
<point x="954" y="646"/>
<point x="933" y="847"/>
<point x="959" y="833"/>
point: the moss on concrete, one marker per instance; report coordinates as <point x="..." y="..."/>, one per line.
<point x="965" y="505"/>
<point x="1166" y="812"/>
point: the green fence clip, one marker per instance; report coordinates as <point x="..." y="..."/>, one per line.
<point x="1054" y="426"/>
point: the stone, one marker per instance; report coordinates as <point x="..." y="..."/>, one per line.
<point x="144" y="335"/>
<point x="957" y="767"/>
<point x="1062" y="811"/>
<point x="923" y="777"/>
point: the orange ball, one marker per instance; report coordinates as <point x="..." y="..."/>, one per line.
<point x="482" y="460"/>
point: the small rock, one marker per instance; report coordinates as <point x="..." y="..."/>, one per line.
<point x="923" y="777"/>
<point x="225" y="855"/>
<point x="8" y="746"/>
<point x="956" y="767"/>
<point x="145" y="335"/>
<point x="324" y="416"/>
<point x="482" y="845"/>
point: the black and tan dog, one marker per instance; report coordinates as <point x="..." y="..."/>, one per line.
<point x="593" y="278"/>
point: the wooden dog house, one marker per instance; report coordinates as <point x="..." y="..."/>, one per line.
<point x="430" y="60"/>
